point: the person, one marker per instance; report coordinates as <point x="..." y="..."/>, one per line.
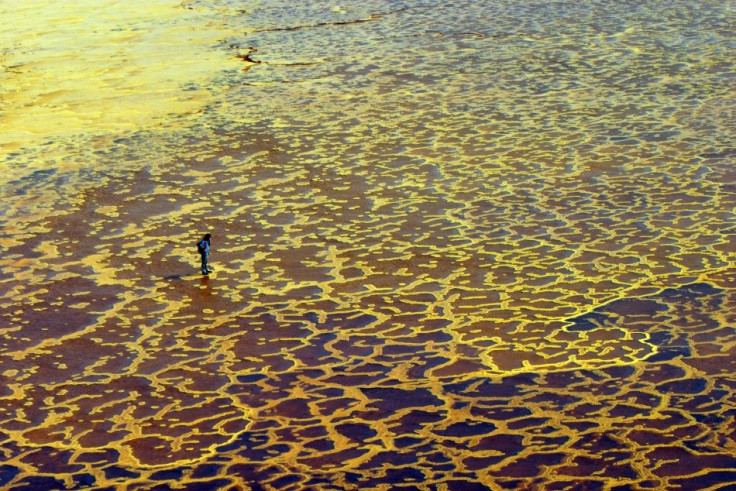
<point x="203" y="246"/>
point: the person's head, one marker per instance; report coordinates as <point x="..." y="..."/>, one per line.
<point x="207" y="236"/>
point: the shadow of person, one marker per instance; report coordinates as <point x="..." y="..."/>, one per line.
<point x="173" y="277"/>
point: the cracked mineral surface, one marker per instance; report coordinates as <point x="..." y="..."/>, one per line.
<point x="456" y="245"/>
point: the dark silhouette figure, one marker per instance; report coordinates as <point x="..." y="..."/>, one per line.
<point x="203" y="247"/>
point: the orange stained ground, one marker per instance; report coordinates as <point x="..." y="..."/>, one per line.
<point x="474" y="283"/>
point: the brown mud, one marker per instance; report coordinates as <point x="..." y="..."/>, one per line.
<point x="341" y="344"/>
<point x="478" y="245"/>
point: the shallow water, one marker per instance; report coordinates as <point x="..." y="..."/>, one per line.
<point x="455" y="244"/>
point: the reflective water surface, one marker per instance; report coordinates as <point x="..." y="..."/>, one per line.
<point x="457" y="245"/>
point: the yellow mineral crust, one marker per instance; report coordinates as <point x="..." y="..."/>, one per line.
<point x="479" y="245"/>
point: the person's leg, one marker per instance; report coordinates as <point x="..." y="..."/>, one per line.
<point x="204" y="264"/>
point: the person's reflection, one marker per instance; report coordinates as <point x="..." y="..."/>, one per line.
<point x="205" y="290"/>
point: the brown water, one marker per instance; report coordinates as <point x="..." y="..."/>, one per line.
<point x="456" y="245"/>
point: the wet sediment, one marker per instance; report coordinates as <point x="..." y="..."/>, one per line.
<point x="329" y="349"/>
<point x="424" y="276"/>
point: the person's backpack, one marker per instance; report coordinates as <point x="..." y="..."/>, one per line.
<point x="201" y="246"/>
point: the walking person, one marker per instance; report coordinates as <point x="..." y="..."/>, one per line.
<point x="203" y="247"/>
